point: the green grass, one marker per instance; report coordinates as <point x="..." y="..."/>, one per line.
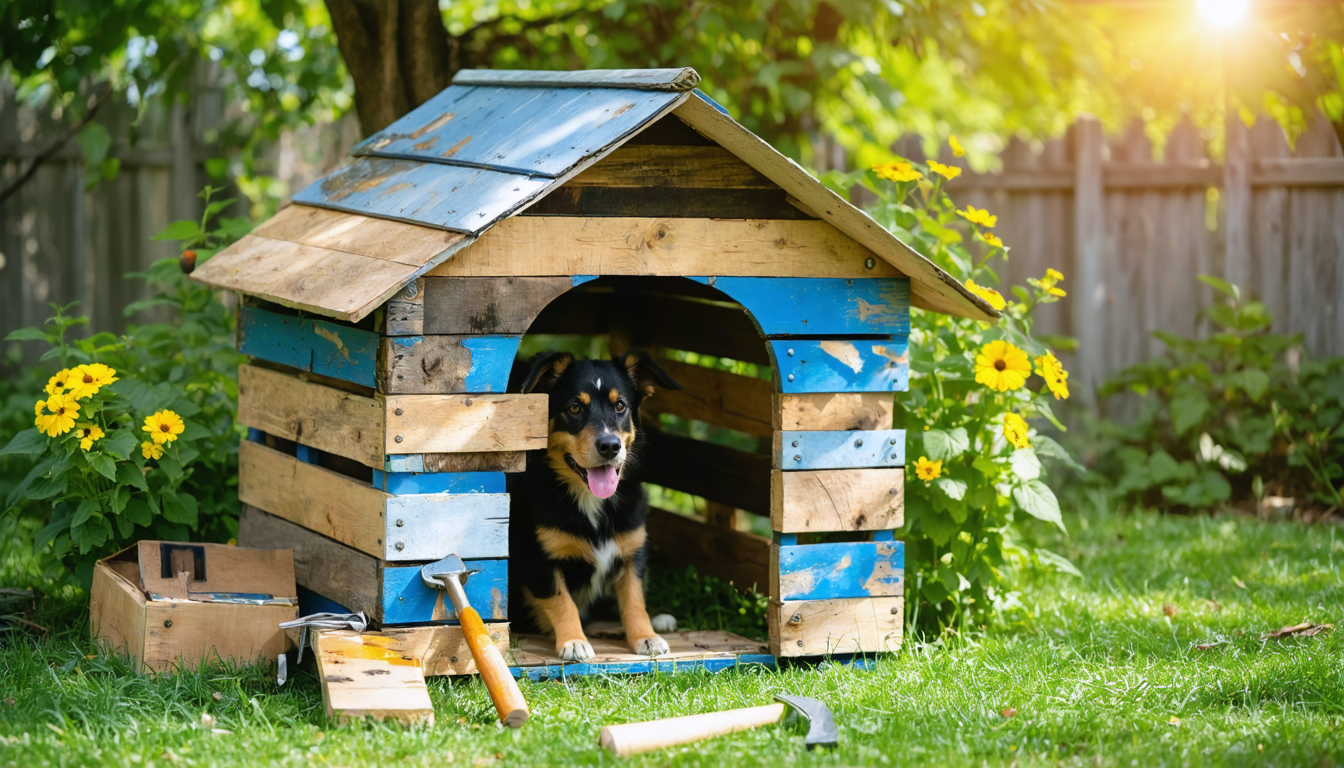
<point x="1095" y="668"/>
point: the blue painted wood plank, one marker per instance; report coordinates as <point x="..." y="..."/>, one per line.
<point x="274" y="337"/>
<point x="822" y="306"/>
<point x="428" y="526"/>
<point x="561" y="671"/>
<point x="884" y="535"/>
<point x="407" y="600"/>
<point x="807" y="365"/>
<point x="255" y="435"/>
<point x="398" y="483"/>
<point x="854" y="449"/>
<point x="679" y="79"/>
<point x="578" y="280"/>
<point x="306" y="454"/>
<point x="844" y="569"/>
<point x="406" y="462"/>
<point x="491" y="360"/>
<point x="535" y="131"/>
<point x="329" y="349"/>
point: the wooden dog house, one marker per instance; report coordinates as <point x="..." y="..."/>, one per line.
<point x="384" y="308"/>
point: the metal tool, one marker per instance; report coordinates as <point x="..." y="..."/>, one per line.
<point x="450" y="574"/>
<point x="634" y="738"/>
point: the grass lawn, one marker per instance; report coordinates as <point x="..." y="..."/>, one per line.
<point x="1098" y="671"/>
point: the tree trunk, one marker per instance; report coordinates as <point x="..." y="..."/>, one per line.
<point x="399" y="54"/>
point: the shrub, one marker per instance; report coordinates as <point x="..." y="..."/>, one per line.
<point x="1227" y="419"/>
<point x="976" y="460"/>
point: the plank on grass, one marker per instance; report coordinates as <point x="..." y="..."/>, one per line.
<point x="660" y="165"/>
<point x="847" y="449"/>
<point x="465" y="423"/>
<point x="362" y="677"/>
<point x="841" y="569"/>
<point x="835" y="627"/>
<point x="322" y="347"/>
<point x="735" y="556"/>
<point x="837" y="500"/>
<point x="833" y="411"/>
<point x="317" y="416"/>
<point x="818" y="306"/>
<point x="718" y="397"/>
<point x="842" y="365"/>
<point x="446" y="364"/>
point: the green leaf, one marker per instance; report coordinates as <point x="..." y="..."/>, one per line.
<point x="117" y="501"/>
<point x="29" y="442"/>
<point x="121" y="444"/>
<point x="94" y="141"/>
<point x="1255" y="382"/>
<point x="955" y="489"/>
<point x="105" y="465"/>
<point x="1220" y="284"/>
<point x="1058" y="562"/>
<point x="171" y="467"/>
<point x="27" y="334"/>
<point x="1025" y="464"/>
<point x="179" y="230"/>
<point x="86" y="509"/>
<point x="941" y="445"/>
<point x="1047" y="446"/>
<point x="1187" y="409"/>
<point x="130" y="475"/>
<point x="1036" y="499"/>
<point x="179" y="508"/>
<point x="138" y="511"/>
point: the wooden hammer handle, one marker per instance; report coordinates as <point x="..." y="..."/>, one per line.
<point x="490" y="664"/>
<point x="634" y="738"/>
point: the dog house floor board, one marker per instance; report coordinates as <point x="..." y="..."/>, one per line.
<point x="534" y="656"/>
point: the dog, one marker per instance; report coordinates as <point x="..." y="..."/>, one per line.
<point x="577" y="512"/>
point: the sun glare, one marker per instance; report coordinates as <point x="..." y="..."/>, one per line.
<point x="1223" y="12"/>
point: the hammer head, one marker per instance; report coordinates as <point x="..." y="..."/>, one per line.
<point x="435" y="575"/>
<point x="820" y="723"/>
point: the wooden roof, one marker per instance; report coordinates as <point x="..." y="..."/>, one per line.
<point x="484" y="149"/>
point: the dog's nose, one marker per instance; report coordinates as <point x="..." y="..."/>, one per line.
<point x="608" y="446"/>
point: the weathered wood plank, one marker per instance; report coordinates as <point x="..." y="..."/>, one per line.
<point x="407" y="600"/>
<point x="1089" y="221"/>
<point x="833" y="411"/>
<point x="671" y="166"/>
<point x="362" y="678"/>
<point x="789" y="306"/>
<point x="726" y="399"/>
<point x="465" y="423"/>
<point x="333" y="570"/>
<point x="843" y="569"/>
<point x="841" y="365"/>
<point x="329" y="349"/>
<point x="734" y="556"/>
<point x="446" y="364"/>
<point x="498" y="461"/>
<point x="848" y="449"/>
<point x="736" y="478"/>
<point x="438" y="482"/>
<point x="675" y="203"/>
<point x="486" y="305"/>
<point x="320" y="417"/>
<point x="836" y="627"/>
<point x="837" y="500"/>
<point x="383" y="239"/>
<point x="434" y="525"/>
<point x="566" y="245"/>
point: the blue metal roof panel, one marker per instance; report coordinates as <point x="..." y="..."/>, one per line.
<point x="451" y="197"/>
<point x="676" y="79"/>
<point x="532" y="130"/>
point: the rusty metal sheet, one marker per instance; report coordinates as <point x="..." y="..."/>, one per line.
<point x="446" y="196"/>
<point x="530" y="130"/>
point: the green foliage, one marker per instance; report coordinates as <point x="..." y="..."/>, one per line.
<point x="93" y="501"/>
<point x="973" y="470"/>
<point x="1228" y="418"/>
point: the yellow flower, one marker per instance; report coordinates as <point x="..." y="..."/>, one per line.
<point x="1053" y="291"/>
<point x="992" y="239"/>
<point x="151" y="450"/>
<point x="979" y="216"/>
<point x="1056" y="378"/>
<point x="57" y="384"/>
<point x="163" y="427"/>
<point x="89" y="433"/>
<point x="992" y="297"/>
<point x="948" y="172"/>
<point x="59" y="417"/>
<point x="898" y="172"/>
<point x="955" y="145"/>
<point x="1053" y="275"/>
<point x="1015" y="430"/>
<point x="86" y="380"/>
<point x="928" y="470"/>
<point x="1002" y="366"/>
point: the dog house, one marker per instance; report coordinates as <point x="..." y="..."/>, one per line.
<point x="384" y="308"/>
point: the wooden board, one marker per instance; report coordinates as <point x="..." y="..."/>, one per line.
<point x="489" y="305"/>
<point x="710" y="650"/>
<point x="846" y="449"/>
<point x="438" y="482"/>
<point x="664" y="202"/>
<point x="736" y="478"/>
<point x="363" y="678"/>
<point x="117" y="614"/>
<point x="325" y="348"/>
<point x="842" y="365"/>
<point x="318" y="416"/>
<point x="465" y="423"/>
<point x="815" y="306"/>
<point x="446" y="364"/>
<point x="658" y="166"/>
<point x="565" y="245"/>
<point x="725" y="399"/>
<point x="383" y="239"/>
<point x="499" y="461"/>
<point x="836" y="627"/>
<point x="837" y="500"/>
<point x="734" y="556"/>
<point x="833" y="411"/>
<point x="841" y="569"/>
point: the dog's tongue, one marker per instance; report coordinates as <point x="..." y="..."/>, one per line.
<point x="602" y="481"/>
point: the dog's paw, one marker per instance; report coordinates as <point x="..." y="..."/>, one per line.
<point x="650" y="646"/>
<point x="664" y="622"/>
<point x="577" y="650"/>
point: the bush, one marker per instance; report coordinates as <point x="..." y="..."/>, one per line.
<point x="1227" y="419"/>
<point x="95" y="479"/>
<point x="976" y="462"/>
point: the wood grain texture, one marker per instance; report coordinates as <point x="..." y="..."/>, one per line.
<point x="664" y="202"/>
<point x="842" y="365"/>
<point x="333" y="570"/>
<point x="498" y="461"/>
<point x="833" y="411"/>
<point x="835" y="627"/>
<point x="317" y="416"/>
<point x="659" y="165"/>
<point x="363" y="678"/>
<point x="565" y="245"/>
<point x="838" y="569"/>
<point x="850" y="449"/>
<point x="487" y="305"/>
<point x="465" y="423"/>
<point x="734" y="556"/>
<point x="446" y="364"/>
<point x="725" y="399"/>
<point x="441" y="649"/>
<point x="321" y="347"/>
<point x="791" y="306"/>
<point x="185" y="635"/>
<point x="117" y="613"/>
<point x="837" y="500"/>
<point x="383" y="239"/>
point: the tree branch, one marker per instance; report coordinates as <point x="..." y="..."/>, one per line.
<point x="56" y="146"/>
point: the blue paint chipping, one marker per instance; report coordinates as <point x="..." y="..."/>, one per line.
<point x="842" y="569"/>
<point x="578" y="280"/>
<point x="407" y="599"/>
<point x="491" y="360"/>
<point x="705" y="98"/>
<point x="338" y="351"/>
<point x="809" y="365"/>
<point x="405" y="462"/>
<point x="843" y="450"/>
<point x="398" y="483"/>
<point x="823" y="306"/>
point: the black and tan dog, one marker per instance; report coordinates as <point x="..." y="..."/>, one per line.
<point x="577" y="514"/>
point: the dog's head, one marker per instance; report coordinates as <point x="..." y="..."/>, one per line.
<point x="594" y="413"/>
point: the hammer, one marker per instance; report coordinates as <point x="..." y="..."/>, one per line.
<point x="450" y="574"/>
<point x="634" y="738"/>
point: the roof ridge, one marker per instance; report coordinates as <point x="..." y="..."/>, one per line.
<point x="671" y="79"/>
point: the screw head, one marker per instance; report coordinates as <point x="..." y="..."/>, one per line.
<point x="893" y="457"/>
<point x="893" y="492"/>
<point x="453" y="659"/>
<point x="398" y="438"/>
<point x="797" y="617"/>
<point x="494" y="636"/>
<point x="167" y="622"/>
<point x="400" y="545"/>
<point x="790" y="353"/>
<point x="398" y="411"/>
<point x="858" y="443"/>
<point x="870" y="263"/>
<point x="401" y="598"/>
<point x="400" y="523"/>
<point x="893" y="610"/>
<point x="800" y="643"/>
<point x="790" y="377"/>
<point x="892" y="441"/>
<point x="796" y="457"/>
<point x="795" y="443"/>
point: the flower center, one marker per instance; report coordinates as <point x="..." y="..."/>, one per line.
<point x="88" y="379"/>
<point x="163" y="427"/>
<point x="1000" y="365"/>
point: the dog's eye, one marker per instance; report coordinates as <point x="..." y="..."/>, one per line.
<point x="620" y="406"/>
<point x="575" y="408"/>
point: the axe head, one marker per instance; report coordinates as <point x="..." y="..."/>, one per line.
<point x="820" y="723"/>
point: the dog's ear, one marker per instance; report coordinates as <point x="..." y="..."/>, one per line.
<point x="645" y="372"/>
<point x="546" y="369"/>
